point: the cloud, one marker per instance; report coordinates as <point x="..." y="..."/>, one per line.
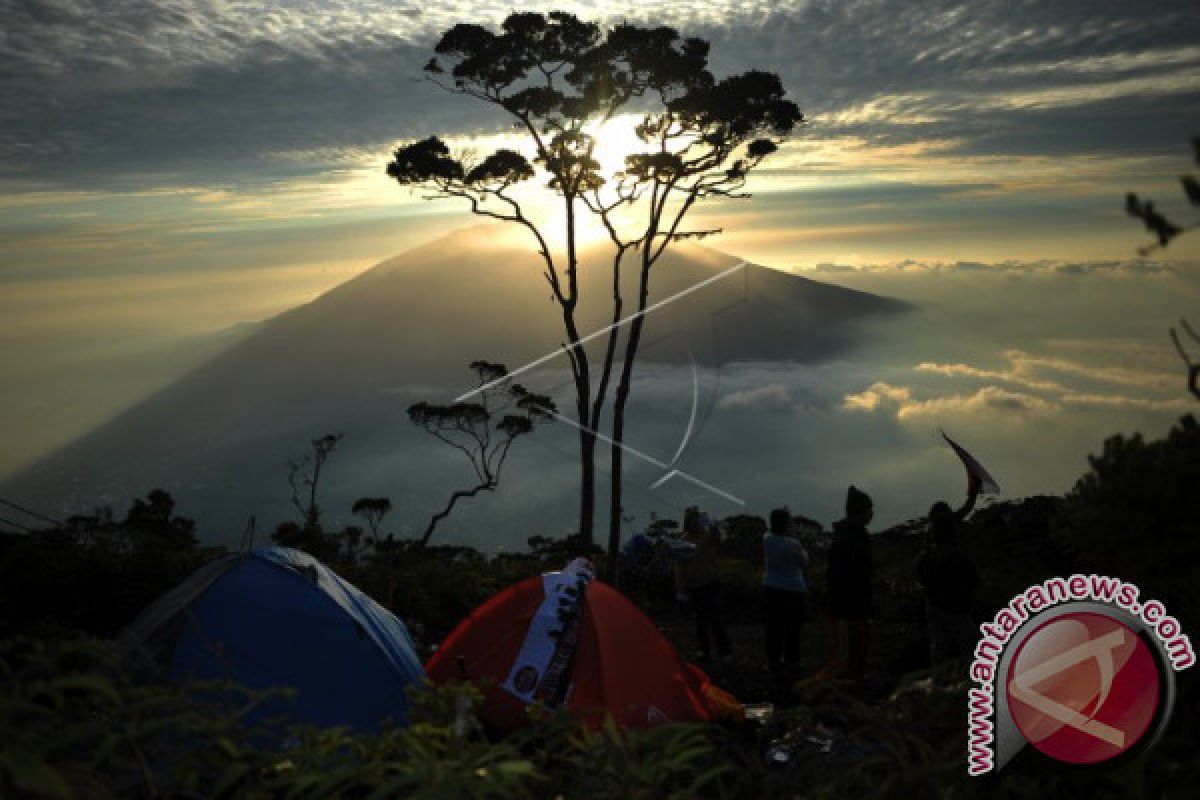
<point x="902" y="402"/>
<point x="771" y="397"/>
<point x="1025" y="364"/>
<point x="1036" y="396"/>
<point x="1120" y="401"/>
<point x="92" y="92"/>
<point x="1026" y="368"/>
<point x="877" y="396"/>
<point x="162" y="89"/>
<point x="1139" y="266"/>
<point x="993" y="400"/>
<point x="991" y="76"/>
<point x="966" y="370"/>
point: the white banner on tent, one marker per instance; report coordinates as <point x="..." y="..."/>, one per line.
<point x="562" y="602"/>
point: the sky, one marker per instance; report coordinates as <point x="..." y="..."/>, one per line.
<point x="171" y="172"/>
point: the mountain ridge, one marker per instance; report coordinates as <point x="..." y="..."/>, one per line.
<point x="351" y="359"/>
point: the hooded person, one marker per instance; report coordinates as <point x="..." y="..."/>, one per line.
<point x="849" y="578"/>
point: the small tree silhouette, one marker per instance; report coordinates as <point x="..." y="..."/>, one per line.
<point x="150" y="520"/>
<point x="373" y="510"/>
<point x="1165" y="230"/>
<point x="310" y="539"/>
<point x="472" y="428"/>
<point x="304" y="474"/>
<point x="352" y="535"/>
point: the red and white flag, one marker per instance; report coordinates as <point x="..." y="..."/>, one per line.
<point x="976" y="474"/>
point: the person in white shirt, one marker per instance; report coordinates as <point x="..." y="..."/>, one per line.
<point x="784" y="587"/>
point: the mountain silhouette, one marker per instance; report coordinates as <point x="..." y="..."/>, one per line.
<point x="353" y="359"/>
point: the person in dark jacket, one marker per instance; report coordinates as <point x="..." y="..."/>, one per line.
<point x="950" y="580"/>
<point x="850" y="588"/>
<point x="633" y="567"/>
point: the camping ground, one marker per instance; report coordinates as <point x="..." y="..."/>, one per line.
<point x="76" y="724"/>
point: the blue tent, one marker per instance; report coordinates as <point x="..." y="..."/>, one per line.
<point x="279" y="618"/>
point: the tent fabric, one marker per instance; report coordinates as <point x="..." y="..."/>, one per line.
<point x="160" y="613"/>
<point x="623" y="665"/>
<point x="279" y="618"/>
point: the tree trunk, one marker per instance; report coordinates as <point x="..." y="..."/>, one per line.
<point x="614" y="496"/>
<point x="587" y="487"/>
<point x="583" y="389"/>
<point x="619" y="403"/>
<point x="313" y="519"/>
<point x="598" y="407"/>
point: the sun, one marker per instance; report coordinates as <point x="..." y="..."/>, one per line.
<point x="615" y="139"/>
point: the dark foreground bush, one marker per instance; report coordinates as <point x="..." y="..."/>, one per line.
<point x="74" y="726"/>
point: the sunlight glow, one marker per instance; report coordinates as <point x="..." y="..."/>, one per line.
<point x="615" y="140"/>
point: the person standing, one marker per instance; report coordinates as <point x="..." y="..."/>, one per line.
<point x="850" y="588"/>
<point x="950" y="580"/>
<point x="784" y="587"/>
<point x="633" y="567"/>
<point x="700" y="575"/>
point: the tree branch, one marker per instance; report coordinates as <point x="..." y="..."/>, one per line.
<point x="1193" y="382"/>
<point x="445" y="512"/>
<point x="1190" y="331"/>
<point x="470" y="456"/>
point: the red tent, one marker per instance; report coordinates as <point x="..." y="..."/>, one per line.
<point x="621" y="663"/>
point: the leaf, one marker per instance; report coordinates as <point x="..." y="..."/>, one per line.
<point x="233" y="775"/>
<point x="81" y="683"/>
<point x="227" y="747"/>
<point x="517" y="768"/>
<point x="33" y="775"/>
<point x="712" y="775"/>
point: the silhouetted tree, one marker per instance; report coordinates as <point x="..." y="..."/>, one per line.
<point x="558" y="78"/>
<point x="472" y="428"/>
<point x="352" y="535"/>
<point x="556" y="552"/>
<point x="288" y="534"/>
<point x="150" y="519"/>
<point x="1134" y="514"/>
<point x="661" y="526"/>
<point x="373" y="510"/>
<point x="1165" y="230"/>
<point x="309" y="538"/>
<point x="304" y="475"/>
<point x="702" y="142"/>
<point x="151" y="512"/>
